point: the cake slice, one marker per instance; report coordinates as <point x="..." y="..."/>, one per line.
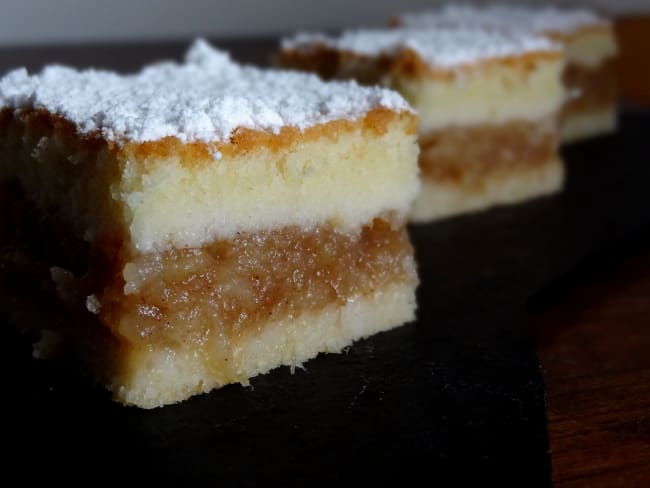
<point x="589" y="47"/>
<point x="487" y="100"/>
<point x="205" y="222"/>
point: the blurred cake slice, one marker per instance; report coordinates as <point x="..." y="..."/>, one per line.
<point x="487" y="100"/>
<point x="589" y="47"/>
<point x="206" y="222"/>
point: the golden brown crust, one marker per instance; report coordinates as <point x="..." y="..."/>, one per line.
<point x="331" y="63"/>
<point x="44" y="122"/>
<point x="375" y="123"/>
<point x="468" y="156"/>
<point x="408" y="63"/>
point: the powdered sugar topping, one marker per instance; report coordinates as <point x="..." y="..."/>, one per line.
<point x="440" y="48"/>
<point x="539" y="20"/>
<point x="203" y="99"/>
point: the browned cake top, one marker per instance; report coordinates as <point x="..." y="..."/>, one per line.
<point x="205" y="99"/>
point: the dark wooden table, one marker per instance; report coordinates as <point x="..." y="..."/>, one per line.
<point x="592" y="331"/>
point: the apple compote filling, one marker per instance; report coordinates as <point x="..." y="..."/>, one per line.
<point x="192" y="295"/>
<point x="468" y="156"/>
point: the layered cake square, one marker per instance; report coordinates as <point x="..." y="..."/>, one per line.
<point x="204" y="222"/>
<point x="589" y="45"/>
<point x="488" y="103"/>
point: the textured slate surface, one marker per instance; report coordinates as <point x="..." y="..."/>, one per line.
<point x="457" y="393"/>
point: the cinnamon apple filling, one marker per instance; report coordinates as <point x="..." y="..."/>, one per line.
<point x="467" y="156"/>
<point x="185" y="296"/>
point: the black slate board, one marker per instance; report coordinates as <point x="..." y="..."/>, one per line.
<point x="456" y="394"/>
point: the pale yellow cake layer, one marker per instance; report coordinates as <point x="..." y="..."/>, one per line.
<point x="154" y="378"/>
<point x="590" y="47"/>
<point x="489" y="93"/>
<point x="585" y="124"/>
<point x="439" y="200"/>
<point x="344" y="181"/>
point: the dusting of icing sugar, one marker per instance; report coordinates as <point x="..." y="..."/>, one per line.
<point x="539" y="20"/>
<point x="440" y="48"/>
<point x="204" y="98"/>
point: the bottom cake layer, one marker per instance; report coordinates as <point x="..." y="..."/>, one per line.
<point x="439" y="199"/>
<point x="151" y="378"/>
<point x="579" y="125"/>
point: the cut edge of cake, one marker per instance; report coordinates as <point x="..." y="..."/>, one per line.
<point x="589" y="46"/>
<point x="516" y="78"/>
<point x="505" y="103"/>
<point x="127" y="307"/>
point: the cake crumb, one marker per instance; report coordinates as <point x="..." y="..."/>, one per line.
<point x="92" y="304"/>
